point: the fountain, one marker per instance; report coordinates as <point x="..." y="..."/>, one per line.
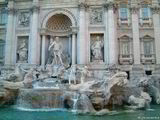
<point x="76" y="89"/>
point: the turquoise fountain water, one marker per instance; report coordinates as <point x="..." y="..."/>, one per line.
<point x="14" y="114"/>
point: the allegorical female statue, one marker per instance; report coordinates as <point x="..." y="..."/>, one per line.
<point x="96" y="49"/>
<point x="22" y="52"/>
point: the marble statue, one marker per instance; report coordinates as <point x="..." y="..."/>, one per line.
<point x="84" y="73"/>
<point x="72" y="76"/>
<point x="30" y="76"/>
<point x="96" y="49"/>
<point x="141" y="102"/>
<point x="22" y="52"/>
<point x="56" y="51"/>
<point x="16" y="76"/>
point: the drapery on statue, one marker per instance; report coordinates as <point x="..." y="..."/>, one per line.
<point x="96" y="49"/>
<point x="55" y="50"/>
<point x="22" y="52"/>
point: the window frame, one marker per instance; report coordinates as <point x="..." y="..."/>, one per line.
<point x="2" y="53"/>
<point x="3" y="16"/>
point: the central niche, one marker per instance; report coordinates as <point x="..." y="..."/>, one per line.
<point x="59" y="23"/>
<point x="60" y="27"/>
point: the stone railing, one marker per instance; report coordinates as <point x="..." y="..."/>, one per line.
<point x="124" y="21"/>
<point x="148" y="59"/>
<point x="146" y="21"/>
<point x="126" y="59"/>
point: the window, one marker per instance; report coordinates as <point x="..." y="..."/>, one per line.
<point x="145" y="13"/>
<point x="2" y="43"/>
<point x="3" y="16"/>
<point x="125" y="47"/>
<point x="125" y="50"/>
<point x="123" y="13"/>
<point x="148" y="72"/>
<point x="147" y="50"/>
<point x="148" y="47"/>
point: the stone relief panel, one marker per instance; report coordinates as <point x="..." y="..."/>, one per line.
<point x="97" y="47"/>
<point x="96" y="16"/>
<point x="24" y="19"/>
<point x="22" y="49"/>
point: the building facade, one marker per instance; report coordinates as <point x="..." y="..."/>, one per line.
<point x="103" y="32"/>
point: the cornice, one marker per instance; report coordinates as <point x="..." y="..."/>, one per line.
<point x="155" y="9"/>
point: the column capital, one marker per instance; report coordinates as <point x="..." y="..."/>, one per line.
<point x="155" y="9"/>
<point x="134" y="9"/>
<point x="35" y="8"/>
<point x="74" y="29"/>
<point x="109" y="5"/>
<point x="11" y="11"/>
<point x="82" y="5"/>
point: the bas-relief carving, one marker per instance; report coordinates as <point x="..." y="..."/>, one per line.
<point x="96" y="16"/>
<point x="22" y="50"/>
<point x="97" y="48"/>
<point x="24" y="19"/>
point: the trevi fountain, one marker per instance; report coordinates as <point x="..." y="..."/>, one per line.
<point x="80" y="60"/>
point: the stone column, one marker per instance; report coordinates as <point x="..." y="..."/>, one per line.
<point x="73" y="48"/>
<point x="112" y="35"/>
<point x="10" y="35"/>
<point x="106" y="41"/>
<point x="156" y="22"/>
<point x="135" y="31"/>
<point x="34" y="52"/>
<point x="81" y="42"/>
<point x="43" y="55"/>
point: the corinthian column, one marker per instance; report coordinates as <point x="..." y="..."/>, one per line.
<point x="106" y="41"/>
<point x="156" y="22"/>
<point x="135" y="30"/>
<point x="112" y="35"/>
<point x="34" y="51"/>
<point x="9" y="48"/>
<point x="81" y="42"/>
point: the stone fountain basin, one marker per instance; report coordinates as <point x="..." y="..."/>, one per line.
<point x="40" y="98"/>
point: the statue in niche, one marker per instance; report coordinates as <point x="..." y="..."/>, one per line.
<point x="24" y="19"/>
<point x="22" y="52"/>
<point x="55" y="50"/>
<point x="96" y="16"/>
<point x="96" y="49"/>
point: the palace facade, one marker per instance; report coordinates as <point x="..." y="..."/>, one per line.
<point x="93" y="32"/>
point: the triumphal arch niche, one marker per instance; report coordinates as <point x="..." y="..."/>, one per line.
<point x="59" y="36"/>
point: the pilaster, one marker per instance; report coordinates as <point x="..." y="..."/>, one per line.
<point x="9" y="48"/>
<point x="135" y="31"/>
<point x="111" y="55"/>
<point x="81" y="42"/>
<point x="34" y="51"/>
<point x="106" y="38"/>
<point x="156" y="23"/>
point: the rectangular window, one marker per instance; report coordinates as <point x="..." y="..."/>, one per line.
<point x="3" y="16"/>
<point x="1" y="50"/>
<point x="123" y="13"/>
<point x="145" y="13"/>
<point x="125" y="48"/>
<point x="148" y="48"/>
